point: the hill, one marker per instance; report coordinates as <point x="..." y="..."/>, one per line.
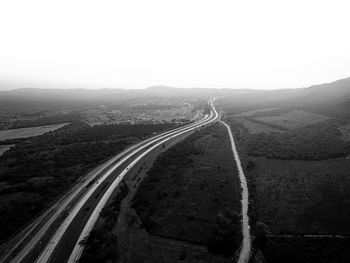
<point x="332" y="99"/>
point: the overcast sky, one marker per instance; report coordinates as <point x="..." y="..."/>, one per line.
<point x="185" y="43"/>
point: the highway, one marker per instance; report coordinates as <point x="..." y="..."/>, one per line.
<point x="55" y="236"/>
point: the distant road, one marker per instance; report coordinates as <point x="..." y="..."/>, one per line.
<point x="56" y="236"/>
<point x="246" y="243"/>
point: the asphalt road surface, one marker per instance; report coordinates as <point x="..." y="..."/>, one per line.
<point x="56" y="235"/>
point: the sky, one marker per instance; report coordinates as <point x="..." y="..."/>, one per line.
<point x="185" y="43"/>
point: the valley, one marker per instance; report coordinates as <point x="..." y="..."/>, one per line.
<point x="155" y="178"/>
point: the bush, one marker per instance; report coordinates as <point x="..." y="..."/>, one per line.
<point x="227" y="235"/>
<point x="260" y="231"/>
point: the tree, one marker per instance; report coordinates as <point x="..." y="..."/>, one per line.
<point x="226" y="235"/>
<point x="261" y="232"/>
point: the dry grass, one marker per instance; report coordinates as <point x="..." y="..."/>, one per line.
<point x="255" y="127"/>
<point x="253" y="112"/>
<point x="293" y="120"/>
<point x="28" y="132"/>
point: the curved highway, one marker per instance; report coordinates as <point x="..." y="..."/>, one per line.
<point x="56" y="235"/>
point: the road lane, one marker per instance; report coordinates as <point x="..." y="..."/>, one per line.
<point x="78" y="249"/>
<point x="45" y="256"/>
<point x="64" y="202"/>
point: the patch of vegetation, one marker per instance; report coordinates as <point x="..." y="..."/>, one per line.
<point x="316" y="142"/>
<point x="47" y="120"/>
<point x="13" y="134"/>
<point x="299" y="197"/>
<point x="293" y="119"/>
<point x="227" y="235"/>
<point x="307" y="250"/>
<point x="188" y="186"/>
<point x="45" y="166"/>
<point x="254" y="127"/>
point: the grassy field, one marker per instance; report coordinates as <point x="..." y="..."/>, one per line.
<point x="28" y="132"/>
<point x="256" y="127"/>
<point x="296" y="196"/>
<point x="293" y="119"/>
<point x="274" y="120"/>
<point x="296" y="188"/>
<point x="315" y="142"/>
<point x="302" y="197"/>
<point x="191" y="188"/>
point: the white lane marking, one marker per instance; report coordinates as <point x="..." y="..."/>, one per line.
<point x="63" y="227"/>
<point x="21" y="255"/>
<point x="78" y="248"/>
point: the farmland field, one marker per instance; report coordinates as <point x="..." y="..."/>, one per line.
<point x="293" y="119"/>
<point x="253" y="112"/>
<point x="28" y="132"/>
<point x="255" y="127"/>
<point x="345" y="130"/>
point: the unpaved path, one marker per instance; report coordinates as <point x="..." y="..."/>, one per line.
<point x="246" y="243"/>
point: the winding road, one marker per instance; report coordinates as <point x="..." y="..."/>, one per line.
<point x="246" y="242"/>
<point x="56" y="236"/>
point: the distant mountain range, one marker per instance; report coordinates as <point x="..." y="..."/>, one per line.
<point x="331" y="98"/>
<point x="86" y="94"/>
<point x="32" y="99"/>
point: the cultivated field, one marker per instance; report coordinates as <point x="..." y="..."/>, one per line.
<point x="253" y="112"/>
<point x="28" y="132"/>
<point x="345" y="130"/>
<point x="256" y="127"/>
<point x="293" y="120"/>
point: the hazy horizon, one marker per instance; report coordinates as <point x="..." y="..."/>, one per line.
<point x="137" y="44"/>
<point x="8" y="85"/>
